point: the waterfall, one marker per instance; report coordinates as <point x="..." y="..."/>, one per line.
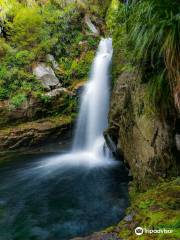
<point x="89" y="147"/>
<point x="93" y="113"/>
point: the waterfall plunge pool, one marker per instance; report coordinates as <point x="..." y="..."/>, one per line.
<point x="61" y="196"/>
<point x="74" y="200"/>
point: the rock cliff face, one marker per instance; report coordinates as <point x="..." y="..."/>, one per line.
<point x="35" y="122"/>
<point x="32" y="134"/>
<point x="146" y="142"/>
<point x="34" y="108"/>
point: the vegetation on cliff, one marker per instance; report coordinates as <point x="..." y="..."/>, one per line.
<point x="144" y="123"/>
<point x="30" y="31"/>
<point x="51" y="36"/>
<point x="146" y="35"/>
<point x="145" y="104"/>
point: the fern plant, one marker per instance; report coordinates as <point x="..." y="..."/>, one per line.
<point x="154" y="31"/>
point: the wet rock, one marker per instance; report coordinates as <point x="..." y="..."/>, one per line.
<point x="47" y="76"/>
<point x="133" y="225"/>
<point x="78" y="88"/>
<point x="111" y="145"/>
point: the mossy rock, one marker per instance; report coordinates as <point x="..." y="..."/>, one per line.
<point x="35" y="133"/>
<point x="158" y="208"/>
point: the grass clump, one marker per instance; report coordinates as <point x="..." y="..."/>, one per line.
<point x="146" y="35"/>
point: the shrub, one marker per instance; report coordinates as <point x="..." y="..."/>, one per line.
<point x="26" y="29"/>
<point x="31" y="33"/>
<point x="17" y="100"/>
<point x="63" y="26"/>
<point x="146" y="34"/>
<point x="3" y="93"/>
<point x="19" y="59"/>
<point x="13" y="79"/>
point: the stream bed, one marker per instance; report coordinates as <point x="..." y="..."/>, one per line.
<point x="70" y="201"/>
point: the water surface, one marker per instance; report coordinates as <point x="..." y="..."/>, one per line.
<point x="37" y="204"/>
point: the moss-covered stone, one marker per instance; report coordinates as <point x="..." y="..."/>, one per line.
<point x="157" y="208"/>
<point x="34" y="133"/>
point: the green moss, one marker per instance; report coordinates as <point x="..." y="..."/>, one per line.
<point x="35" y="30"/>
<point x="146" y="204"/>
<point x="4" y="47"/>
<point x="152" y="210"/>
<point x="54" y="121"/>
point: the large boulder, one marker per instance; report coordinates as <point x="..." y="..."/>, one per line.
<point x="146" y="142"/>
<point x="46" y="75"/>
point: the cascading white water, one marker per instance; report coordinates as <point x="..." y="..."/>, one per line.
<point x="62" y="196"/>
<point x="95" y="100"/>
<point x="89" y="146"/>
